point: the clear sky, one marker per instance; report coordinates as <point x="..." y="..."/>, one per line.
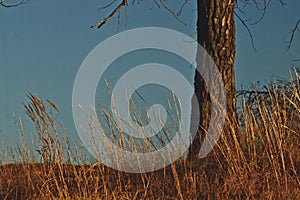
<point x="44" y="42"/>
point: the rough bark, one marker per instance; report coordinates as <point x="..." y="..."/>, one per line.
<point x="216" y="33"/>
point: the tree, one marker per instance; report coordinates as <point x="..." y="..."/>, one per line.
<point x="216" y="33"/>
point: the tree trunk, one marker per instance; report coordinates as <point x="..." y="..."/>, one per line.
<point x="216" y="34"/>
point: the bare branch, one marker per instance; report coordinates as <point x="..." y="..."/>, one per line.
<point x="261" y="5"/>
<point x="116" y="10"/>
<point x="171" y="11"/>
<point x="294" y="30"/>
<point x="124" y="3"/>
<point x="264" y="10"/>
<point x="247" y="28"/>
<point x="182" y="6"/>
<point x="3" y="3"/>
<point x="108" y="5"/>
<point x="238" y="7"/>
<point x="156" y="3"/>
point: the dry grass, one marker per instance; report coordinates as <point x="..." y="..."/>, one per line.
<point x="262" y="161"/>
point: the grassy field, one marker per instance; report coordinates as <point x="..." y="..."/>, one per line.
<point x="261" y="161"/>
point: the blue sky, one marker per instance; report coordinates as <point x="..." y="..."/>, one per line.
<point x="44" y="42"/>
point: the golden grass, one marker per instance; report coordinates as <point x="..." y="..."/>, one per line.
<point x="261" y="161"/>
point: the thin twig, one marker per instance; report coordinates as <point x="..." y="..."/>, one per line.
<point x="238" y="7"/>
<point x="182" y="6"/>
<point x="247" y="28"/>
<point x="296" y="28"/>
<point x="156" y="3"/>
<point x="163" y="3"/>
<point x="2" y="3"/>
<point x="116" y="10"/>
<point x="264" y="9"/>
<point x="108" y="5"/>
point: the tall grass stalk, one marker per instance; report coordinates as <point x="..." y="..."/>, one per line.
<point x="260" y="161"/>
